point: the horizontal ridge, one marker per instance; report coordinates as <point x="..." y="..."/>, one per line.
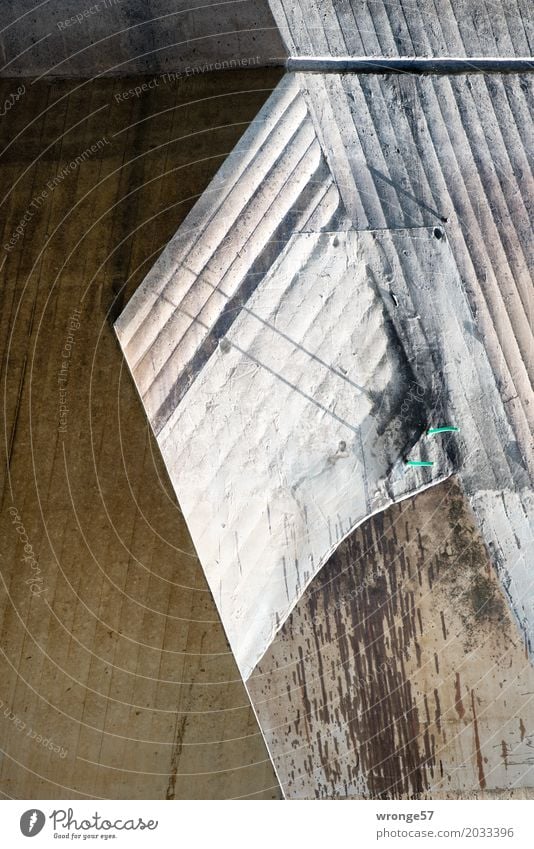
<point x="414" y="65"/>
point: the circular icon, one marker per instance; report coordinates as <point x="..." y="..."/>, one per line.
<point x="31" y="822"/>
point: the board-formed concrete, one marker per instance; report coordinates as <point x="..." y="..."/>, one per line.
<point x="292" y="433"/>
<point x="389" y="28"/>
<point x="242" y="363"/>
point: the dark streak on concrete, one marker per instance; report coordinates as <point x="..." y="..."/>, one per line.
<point x="351" y="697"/>
<point x="480" y="763"/>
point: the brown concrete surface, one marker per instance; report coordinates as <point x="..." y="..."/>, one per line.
<point x="115" y="675"/>
<point x="401" y="673"/>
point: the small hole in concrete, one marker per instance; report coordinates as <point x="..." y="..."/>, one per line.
<point x="438" y="233"/>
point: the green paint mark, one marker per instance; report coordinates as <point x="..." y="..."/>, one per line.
<point x="447" y="429"/>
<point x="419" y="463"/>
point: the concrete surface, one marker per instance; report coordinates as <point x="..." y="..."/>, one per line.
<point x="238" y="362"/>
<point x="412" y="28"/>
<point x="86" y="38"/>
<point x="400" y="673"/>
<point x="116" y="680"/>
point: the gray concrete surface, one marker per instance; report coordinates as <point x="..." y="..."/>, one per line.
<point x="83" y="38"/>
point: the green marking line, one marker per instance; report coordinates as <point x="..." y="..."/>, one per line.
<point x="419" y="463"/>
<point x="447" y="429"/>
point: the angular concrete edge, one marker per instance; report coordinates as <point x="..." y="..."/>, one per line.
<point x="204" y="320"/>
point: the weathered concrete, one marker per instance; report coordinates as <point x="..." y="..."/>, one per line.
<point x="400" y="673"/>
<point x="113" y="651"/>
<point x="415" y="28"/>
<point x="454" y="153"/>
<point x="437" y="159"/>
<point x="273" y="388"/>
<point x="85" y="38"/>
<point x="240" y="368"/>
<point x="292" y="433"/>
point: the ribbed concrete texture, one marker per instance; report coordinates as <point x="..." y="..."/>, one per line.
<point x="409" y="28"/>
<point x="276" y="349"/>
<point x="456" y="153"/>
<point x="85" y="38"/>
<point x="335" y="355"/>
<point x="205" y="331"/>
<point x="229" y="240"/>
<point x="116" y="679"/>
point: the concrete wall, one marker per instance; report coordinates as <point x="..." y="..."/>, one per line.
<point x="120" y="37"/>
<point x="112" y="650"/>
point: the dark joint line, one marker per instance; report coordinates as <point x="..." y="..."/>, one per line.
<point x="411" y="65"/>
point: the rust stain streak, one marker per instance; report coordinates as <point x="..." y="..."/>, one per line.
<point x="458" y="696"/>
<point x="359" y="696"/>
<point x="480" y="764"/>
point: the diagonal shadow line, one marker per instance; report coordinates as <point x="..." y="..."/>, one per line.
<point x="376" y="173"/>
<point x="267" y="368"/>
